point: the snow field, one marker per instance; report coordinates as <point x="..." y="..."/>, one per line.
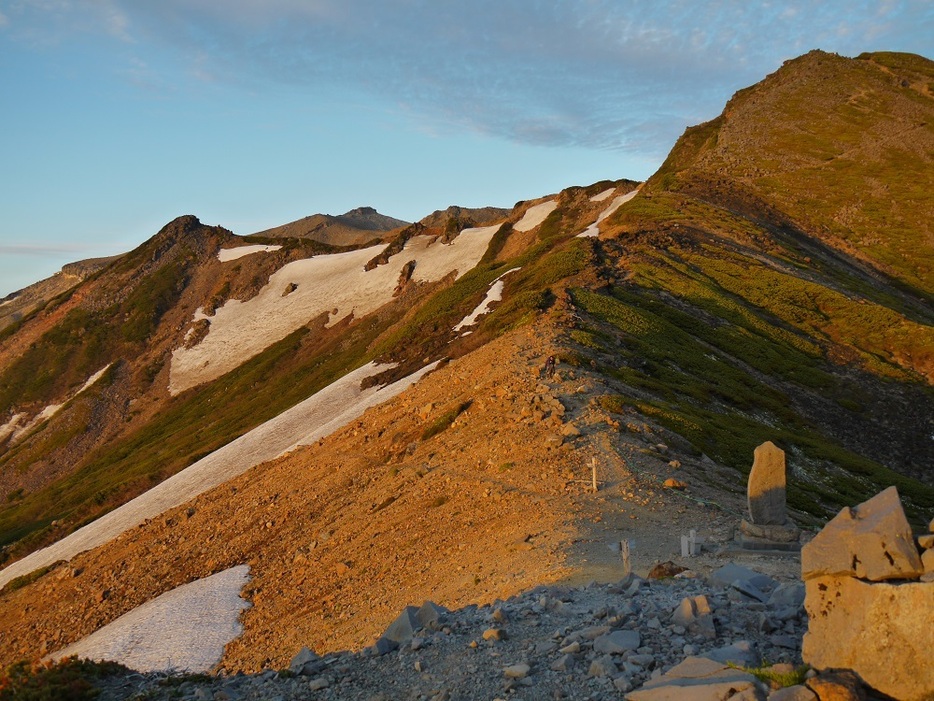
<point x="320" y="415"/>
<point x="594" y="229"/>
<point x="535" y="215"/>
<point x="184" y="629"/>
<point x="335" y="284"/>
<point x="227" y="254"/>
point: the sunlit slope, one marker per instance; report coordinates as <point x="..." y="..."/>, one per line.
<point x="840" y="147"/>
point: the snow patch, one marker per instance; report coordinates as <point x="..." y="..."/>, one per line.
<point x="228" y="254"/>
<point x="7" y="429"/>
<point x="594" y="229"/>
<point x="184" y="629"/>
<point x="316" y="417"/>
<point x="15" y="431"/>
<point x="494" y="294"/>
<point x="603" y="195"/>
<point x="535" y="215"/>
<point x="335" y="284"/>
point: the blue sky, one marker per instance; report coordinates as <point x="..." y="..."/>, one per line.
<point x="119" y="115"/>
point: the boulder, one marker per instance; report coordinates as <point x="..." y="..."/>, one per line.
<point x="617" y="642"/>
<point x="412" y="619"/>
<point x="306" y="663"/>
<point x="871" y="541"/>
<point x="881" y="631"/>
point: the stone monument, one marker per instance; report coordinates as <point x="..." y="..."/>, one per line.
<point x="768" y="526"/>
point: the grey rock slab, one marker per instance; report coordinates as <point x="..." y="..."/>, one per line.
<point x="871" y="541"/>
<point x="617" y="642"/>
<point x="731" y="572"/>
<point x="744" y="586"/>
<point x="695" y="679"/>
<point x="743" y="653"/>
<point x="787" y="595"/>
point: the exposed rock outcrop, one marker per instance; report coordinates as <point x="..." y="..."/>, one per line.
<point x="867" y="611"/>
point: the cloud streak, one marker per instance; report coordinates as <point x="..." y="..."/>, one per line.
<point x="593" y="73"/>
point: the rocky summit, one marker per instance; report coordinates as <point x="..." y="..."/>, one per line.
<point x="647" y="440"/>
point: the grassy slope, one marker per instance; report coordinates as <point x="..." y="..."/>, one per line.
<point x="774" y="281"/>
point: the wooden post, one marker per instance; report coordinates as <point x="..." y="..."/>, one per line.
<point x="624" y="553"/>
<point x="593" y="465"/>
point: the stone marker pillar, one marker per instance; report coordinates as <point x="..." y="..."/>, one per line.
<point x="768" y="526"/>
<point x="766" y="488"/>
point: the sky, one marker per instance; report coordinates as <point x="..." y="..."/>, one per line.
<point x="116" y="116"/>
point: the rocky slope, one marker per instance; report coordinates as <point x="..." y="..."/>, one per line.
<point x="718" y="308"/>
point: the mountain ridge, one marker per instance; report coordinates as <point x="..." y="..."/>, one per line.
<point x="712" y="311"/>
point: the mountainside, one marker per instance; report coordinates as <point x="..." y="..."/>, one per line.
<point x="771" y="282"/>
<point x="356" y="227"/>
<point x="21" y="303"/>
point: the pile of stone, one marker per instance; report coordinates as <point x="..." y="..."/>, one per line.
<point x="637" y="636"/>
<point x="870" y="598"/>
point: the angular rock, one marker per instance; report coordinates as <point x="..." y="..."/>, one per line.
<point x="517" y="671"/>
<point x="384" y="646"/>
<point x="603" y="666"/>
<point x="787" y="595"/>
<point x="731" y="572"/>
<point x="743" y="653"/>
<point x="926" y="542"/>
<point x="798" y="692"/>
<point x="871" y="541"/>
<point x="765" y="489"/>
<point x="839" y="685"/>
<point x="565" y="663"/>
<point x="744" y="586"/>
<point x="617" y="642"/>
<point x="306" y="663"/>
<point x="694" y="614"/>
<point x="881" y="631"/>
<point x="695" y="679"/>
<point x="412" y="619"/>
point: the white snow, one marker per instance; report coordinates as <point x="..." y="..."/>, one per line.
<point x="226" y="254"/>
<point x="334" y="284"/>
<point x="603" y="195"/>
<point x="535" y="215"/>
<point x="184" y="629"/>
<point x="7" y="429"/>
<point x="318" y="416"/>
<point x="594" y="229"/>
<point x="13" y="429"/>
<point x="494" y="294"/>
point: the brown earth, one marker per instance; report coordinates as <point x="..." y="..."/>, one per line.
<point x="342" y="535"/>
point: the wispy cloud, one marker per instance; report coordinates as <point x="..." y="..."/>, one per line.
<point x="40" y="251"/>
<point x="596" y="73"/>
